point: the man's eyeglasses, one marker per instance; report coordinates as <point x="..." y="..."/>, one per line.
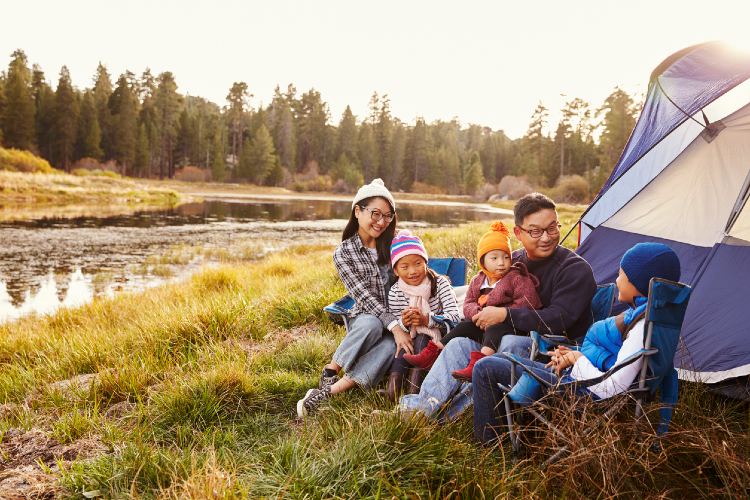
<point x="536" y="233"/>
<point x="376" y="215"/>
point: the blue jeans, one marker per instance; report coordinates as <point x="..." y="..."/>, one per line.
<point x="440" y="391"/>
<point x="489" y="409"/>
<point x="367" y="350"/>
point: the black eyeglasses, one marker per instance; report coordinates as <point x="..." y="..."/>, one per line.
<point x="536" y="233"/>
<point x="376" y="215"/>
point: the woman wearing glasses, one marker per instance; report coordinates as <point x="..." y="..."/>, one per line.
<point x="363" y="263"/>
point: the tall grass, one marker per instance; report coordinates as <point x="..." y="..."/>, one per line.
<point x="58" y="188"/>
<point x="204" y="376"/>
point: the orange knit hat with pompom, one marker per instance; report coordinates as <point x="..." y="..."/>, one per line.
<point x="497" y="238"/>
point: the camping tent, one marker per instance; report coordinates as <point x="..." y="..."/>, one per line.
<point x="684" y="179"/>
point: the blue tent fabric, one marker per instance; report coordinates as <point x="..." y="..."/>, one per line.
<point x="713" y="345"/>
<point x="691" y="78"/>
<point x="604" y="248"/>
<point x="715" y="332"/>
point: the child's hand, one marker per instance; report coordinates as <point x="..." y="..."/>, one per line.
<point x="419" y="319"/>
<point x="406" y="316"/>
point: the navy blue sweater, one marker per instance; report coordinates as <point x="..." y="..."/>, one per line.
<point x="566" y="287"/>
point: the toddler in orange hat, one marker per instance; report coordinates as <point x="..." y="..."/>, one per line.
<point x="499" y="283"/>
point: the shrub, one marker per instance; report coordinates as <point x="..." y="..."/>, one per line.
<point x="514" y="187"/>
<point x="484" y="192"/>
<point x="190" y="173"/>
<point x="570" y="189"/>
<point x="17" y="160"/>
<point x="83" y="172"/>
<point x="422" y="188"/>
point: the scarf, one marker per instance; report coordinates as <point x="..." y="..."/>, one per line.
<point x="419" y="298"/>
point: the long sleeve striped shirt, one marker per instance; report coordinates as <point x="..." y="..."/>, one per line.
<point x="442" y="303"/>
<point x="358" y="270"/>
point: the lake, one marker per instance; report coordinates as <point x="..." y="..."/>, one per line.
<point x="51" y="262"/>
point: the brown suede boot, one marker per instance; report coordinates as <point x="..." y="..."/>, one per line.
<point x="393" y="389"/>
<point x="414" y="380"/>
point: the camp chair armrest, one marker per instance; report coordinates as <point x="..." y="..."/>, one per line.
<point x="517" y="362"/>
<point x="557" y="340"/>
<point x="443" y="321"/>
<point x="625" y="362"/>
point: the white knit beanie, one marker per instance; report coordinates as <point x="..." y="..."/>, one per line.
<point x="375" y="188"/>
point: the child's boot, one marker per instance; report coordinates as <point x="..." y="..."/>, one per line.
<point x="426" y="356"/>
<point x="465" y="374"/>
<point x="393" y="388"/>
<point x="414" y="381"/>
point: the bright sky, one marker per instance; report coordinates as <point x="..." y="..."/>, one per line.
<point x="484" y="62"/>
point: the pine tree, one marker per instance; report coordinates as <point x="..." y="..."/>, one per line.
<point x="2" y="103"/>
<point x="167" y="104"/>
<point x="417" y="155"/>
<point x="142" y="160"/>
<point x="312" y="127"/>
<point x="147" y="121"/>
<point x="64" y="125"/>
<point x="88" y="143"/>
<point x="366" y="152"/>
<point x="123" y="107"/>
<point x="218" y="167"/>
<point x="281" y="119"/>
<point x="347" y="135"/>
<point x="237" y="98"/>
<point x="263" y="156"/>
<point x="535" y="148"/>
<point x="102" y="91"/>
<point x="18" y="108"/>
<point x="44" y="107"/>
<point x="619" y="119"/>
<point x="473" y="179"/>
<point x="244" y="171"/>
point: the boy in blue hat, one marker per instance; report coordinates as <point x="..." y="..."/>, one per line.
<point x="607" y="343"/>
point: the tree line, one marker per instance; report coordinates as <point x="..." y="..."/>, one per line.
<point x="149" y="129"/>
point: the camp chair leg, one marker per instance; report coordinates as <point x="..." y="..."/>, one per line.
<point x="606" y="416"/>
<point x="512" y="433"/>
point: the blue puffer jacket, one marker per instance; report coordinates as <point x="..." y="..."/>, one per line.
<point x="603" y="340"/>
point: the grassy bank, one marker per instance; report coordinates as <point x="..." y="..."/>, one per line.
<point x="188" y="391"/>
<point x="31" y="194"/>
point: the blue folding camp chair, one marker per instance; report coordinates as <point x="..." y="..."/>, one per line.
<point x="665" y="311"/>
<point x="452" y="267"/>
<point x="601" y="307"/>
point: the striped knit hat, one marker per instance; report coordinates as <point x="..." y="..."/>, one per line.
<point x="405" y="243"/>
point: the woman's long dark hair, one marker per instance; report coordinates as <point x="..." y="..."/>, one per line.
<point x="383" y="242"/>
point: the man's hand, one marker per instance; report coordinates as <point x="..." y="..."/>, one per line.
<point x="489" y="316"/>
<point x="403" y="341"/>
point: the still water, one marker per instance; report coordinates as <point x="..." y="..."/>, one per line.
<point x="55" y="262"/>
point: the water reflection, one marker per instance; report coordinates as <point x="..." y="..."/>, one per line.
<point x="103" y="255"/>
<point x="46" y="299"/>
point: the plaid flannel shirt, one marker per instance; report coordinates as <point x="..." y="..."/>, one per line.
<point x="360" y="274"/>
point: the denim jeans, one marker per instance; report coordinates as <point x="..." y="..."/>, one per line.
<point x="489" y="409"/>
<point x="442" y="396"/>
<point x="520" y="345"/>
<point x="367" y="350"/>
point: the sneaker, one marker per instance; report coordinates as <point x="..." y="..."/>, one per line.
<point x="426" y="356"/>
<point x="311" y="401"/>
<point x="327" y="380"/>
<point x="464" y="375"/>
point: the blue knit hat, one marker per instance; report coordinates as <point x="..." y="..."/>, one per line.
<point x="650" y="260"/>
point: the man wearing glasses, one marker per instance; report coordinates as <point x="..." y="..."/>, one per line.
<point x="566" y="287"/>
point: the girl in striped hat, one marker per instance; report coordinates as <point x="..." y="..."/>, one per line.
<point x="415" y="299"/>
